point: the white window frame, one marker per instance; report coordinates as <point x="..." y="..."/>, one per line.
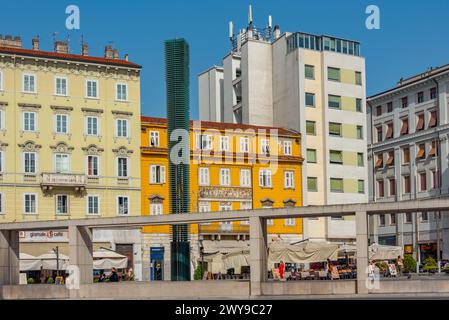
<point x="287" y="148"/>
<point x="118" y="167"/>
<point x="57" y="203"/>
<point x="204" y="205"/>
<point x="67" y="123"/>
<point x="1" y="80"/>
<point x="264" y="146"/>
<point x="250" y="207"/>
<point x="289" y="179"/>
<point x="153" y="174"/>
<point x="118" y="205"/>
<point x="203" y="176"/>
<point x="35" y="162"/>
<point x="117" y="126"/>
<point x="87" y="126"/>
<point x="224" y="143"/>
<point x="2" y="198"/>
<point x="35" y="204"/>
<point x="66" y="86"/>
<point x="35" y="121"/>
<point x="156" y="209"/>
<point x="97" y="96"/>
<point x="269" y="178"/>
<point x="155" y="136"/>
<point x="2" y="119"/>
<point x="225" y="179"/>
<point x="117" y="98"/>
<point x="34" y="82"/>
<point x="244" y="144"/>
<point x="290" y="222"/>
<point x="98" y="166"/>
<point x="2" y="161"/>
<point x="245" y="179"/>
<point x="62" y="155"/>
<point x="98" y="205"/>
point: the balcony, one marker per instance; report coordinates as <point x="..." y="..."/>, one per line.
<point x="225" y="193"/>
<point x="57" y="180"/>
<point x="224" y="228"/>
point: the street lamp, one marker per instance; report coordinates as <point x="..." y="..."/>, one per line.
<point x="56" y="251"/>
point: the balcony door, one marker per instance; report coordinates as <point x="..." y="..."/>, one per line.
<point x="62" y="163"/>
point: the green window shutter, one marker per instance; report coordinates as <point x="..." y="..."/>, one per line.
<point x="310" y="128"/>
<point x="334" y="102"/>
<point x="360" y="159"/>
<point x="333" y="74"/>
<point x="361" y="186"/>
<point x="336" y="157"/>
<point x="335" y="129"/>
<point x="309" y="72"/>
<point x="310" y="99"/>
<point x="336" y="185"/>
<point x="311" y="155"/>
<point x="312" y="184"/>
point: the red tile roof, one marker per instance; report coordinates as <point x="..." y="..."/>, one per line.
<point x="221" y="125"/>
<point x="68" y="56"/>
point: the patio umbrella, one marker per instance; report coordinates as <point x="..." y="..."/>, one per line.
<point x="49" y="261"/>
<point x="29" y="262"/>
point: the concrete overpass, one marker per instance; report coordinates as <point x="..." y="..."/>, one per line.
<point x="80" y="248"/>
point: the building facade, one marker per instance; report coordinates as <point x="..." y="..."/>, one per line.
<point x="309" y="83"/>
<point x="408" y="148"/>
<point x="70" y="134"/>
<point x="233" y="167"/>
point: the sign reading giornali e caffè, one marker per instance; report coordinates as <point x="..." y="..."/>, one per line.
<point x="44" y="236"/>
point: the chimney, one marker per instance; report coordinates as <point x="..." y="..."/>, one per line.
<point x="277" y="32"/>
<point x="9" y="42"/>
<point x="61" y="47"/>
<point x="126" y="57"/>
<point x="85" y="49"/>
<point x="35" y="42"/>
<point x="115" y="54"/>
<point x="108" y="52"/>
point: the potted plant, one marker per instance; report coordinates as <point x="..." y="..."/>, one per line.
<point x="409" y="264"/>
<point x="198" y="274"/>
<point x="430" y="265"/>
<point x="30" y="281"/>
<point x="50" y="280"/>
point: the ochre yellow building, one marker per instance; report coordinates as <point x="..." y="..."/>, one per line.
<point x="233" y="167"/>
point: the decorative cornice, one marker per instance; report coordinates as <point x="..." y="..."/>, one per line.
<point x="122" y="113"/>
<point x="62" y="147"/>
<point x="29" y="106"/>
<point x="92" y="149"/>
<point x="91" y="110"/>
<point x="156" y="198"/>
<point x="61" y="108"/>
<point x="3" y="103"/>
<point x="30" y="146"/>
<point x="267" y="202"/>
<point x="122" y="152"/>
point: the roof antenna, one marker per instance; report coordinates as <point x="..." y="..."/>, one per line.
<point x="250" y="15"/>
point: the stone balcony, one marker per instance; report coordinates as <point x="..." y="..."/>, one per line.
<point x="225" y="193"/>
<point x="75" y="181"/>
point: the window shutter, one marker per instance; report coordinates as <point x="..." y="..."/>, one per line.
<point x="152" y="174"/>
<point x="261" y="173"/>
<point x="162" y="174"/>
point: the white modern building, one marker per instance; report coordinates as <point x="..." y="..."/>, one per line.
<point x="314" y="84"/>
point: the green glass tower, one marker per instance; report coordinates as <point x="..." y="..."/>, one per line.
<point x="177" y="86"/>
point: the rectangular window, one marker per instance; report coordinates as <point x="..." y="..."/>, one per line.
<point x="360" y="160"/>
<point x="92" y="89"/>
<point x="2" y="160"/>
<point x="93" y="205"/>
<point x="379" y="134"/>
<point x="156" y="209"/>
<point x="405" y="155"/>
<point x="122" y="205"/>
<point x="204" y="176"/>
<point x="92" y="126"/>
<point x="390" y="131"/>
<point x="265" y="146"/>
<point x="29" y="83"/>
<point x="289" y="180"/>
<point x="310" y="99"/>
<point x="360" y="132"/>
<point x="61" y="86"/>
<point x="433" y="93"/>
<point x="358" y="105"/>
<point x="62" y="204"/>
<point x="382" y="219"/>
<point x="420" y="97"/>
<point x="390" y="159"/>
<point x="225" y="177"/>
<point x="290" y="222"/>
<point x="30" y="203"/>
<point x="287" y="148"/>
<point x="421" y="154"/>
<point x="205" y="142"/>
<point x="424" y="217"/>
<point x="380" y="188"/>
<point x="390" y="106"/>
<point x="404" y="128"/>
<point x="92" y="166"/>
<point x="1" y="80"/>
<point x="408" y="217"/>
<point x="407" y="186"/>
<point x="380" y="161"/>
<point x="336" y="157"/>
<point x="422" y="181"/>
<point x="265" y="178"/>
<point x="392" y="186"/>
<point x="29" y="121"/>
<point x="311" y="156"/>
<point x="122" y="128"/>
<point x="122" y="167"/>
<point x="434" y="149"/>
<point x="378" y="111"/>
<point x="336" y="185"/>
<point x="358" y="78"/>
<point x="435" y="184"/>
<point x="154" y="139"/>
<point x="204" y="207"/>
<point x="157" y="174"/>
<point x="62" y="123"/>
<point x="393" y="219"/>
<point x="335" y="129"/>
<point x="312" y="184"/>
<point x="244" y="144"/>
<point x="420" y="122"/>
<point x="224" y="143"/>
<point x="404" y="102"/>
<point x="122" y="92"/>
<point x="29" y="162"/>
<point x="433" y="122"/>
<point x="333" y="74"/>
<point x="334" y="102"/>
<point x="62" y="163"/>
<point x="245" y="178"/>
<point x="311" y="128"/>
<point x="1" y="197"/>
<point x="361" y="186"/>
<point x="309" y="72"/>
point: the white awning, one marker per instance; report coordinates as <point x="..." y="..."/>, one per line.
<point x="381" y="252"/>
<point x="108" y="264"/>
<point x="305" y="252"/>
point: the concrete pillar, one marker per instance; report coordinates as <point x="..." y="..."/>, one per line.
<point x="258" y="254"/>
<point x="9" y="258"/>
<point x="81" y="252"/>
<point x="361" y="223"/>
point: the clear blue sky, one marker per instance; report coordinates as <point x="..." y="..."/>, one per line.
<point x="413" y="34"/>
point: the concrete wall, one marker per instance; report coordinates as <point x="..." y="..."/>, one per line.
<point x="309" y="287"/>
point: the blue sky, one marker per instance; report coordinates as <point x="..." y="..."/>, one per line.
<point x="413" y="34"/>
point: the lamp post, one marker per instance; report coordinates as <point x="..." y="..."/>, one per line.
<point x="56" y="251"/>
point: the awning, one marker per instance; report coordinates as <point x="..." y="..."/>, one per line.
<point x="29" y="262"/>
<point x="305" y="252"/>
<point x="224" y="246"/>
<point x="49" y="261"/>
<point x="107" y="259"/>
<point x="380" y="252"/>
